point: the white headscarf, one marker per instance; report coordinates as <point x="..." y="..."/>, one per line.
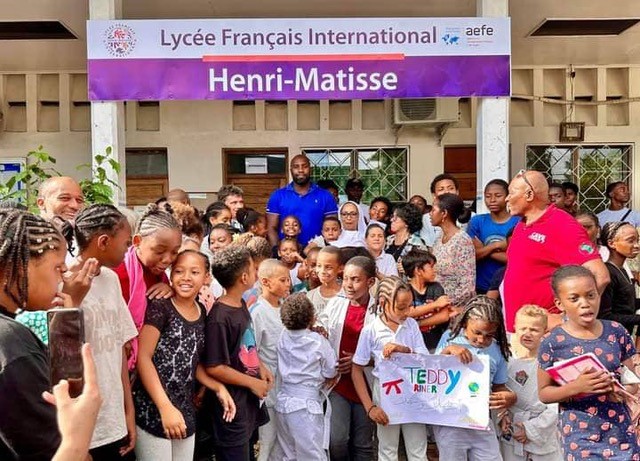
<point x="353" y="238"/>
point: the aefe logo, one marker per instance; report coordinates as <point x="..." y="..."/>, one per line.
<point x="482" y="31"/>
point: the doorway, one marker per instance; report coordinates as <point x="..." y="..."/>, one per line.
<point x="258" y="172"/>
<point x="460" y="161"/>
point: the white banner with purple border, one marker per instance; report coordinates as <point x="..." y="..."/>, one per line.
<point x="435" y="389"/>
<point x="332" y="58"/>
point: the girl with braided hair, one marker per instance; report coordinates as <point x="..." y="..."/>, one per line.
<point x="156" y="242"/>
<point x="478" y="330"/>
<point x="378" y="340"/>
<point x="32" y="254"/>
<point x="619" y="297"/>
<point x="103" y="234"/>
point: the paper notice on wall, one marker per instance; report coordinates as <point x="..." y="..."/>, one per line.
<point x="435" y="389"/>
<point x="255" y="165"/>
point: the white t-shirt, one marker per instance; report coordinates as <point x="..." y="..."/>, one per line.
<point x="377" y="334"/>
<point x="267" y="327"/>
<point x="108" y="326"/>
<point x="612" y="216"/>
<point x="386" y="265"/>
<point x="319" y="301"/>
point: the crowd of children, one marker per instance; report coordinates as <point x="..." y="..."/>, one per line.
<point x="211" y="342"/>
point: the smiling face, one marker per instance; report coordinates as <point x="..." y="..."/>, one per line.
<point x="328" y="267"/>
<point x="625" y="242"/>
<point x="480" y="333"/>
<point x="349" y="214"/>
<point x="379" y="211"/>
<point x="578" y="298"/>
<point x="219" y="239"/>
<point x="159" y="250"/>
<point x="291" y="227"/>
<point x="234" y="202"/>
<point x="188" y="275"/>
<point x="398" y="311"/>
<point x="61" y="197"/>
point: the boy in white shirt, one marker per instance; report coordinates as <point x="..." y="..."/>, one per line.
<point x="275" y="282"/>
<point x="306" y="365"/>
<point x="329" y="268"/>
<point x="528" y="430"/>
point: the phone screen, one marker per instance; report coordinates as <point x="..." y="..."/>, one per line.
<point x="66" y="336"/>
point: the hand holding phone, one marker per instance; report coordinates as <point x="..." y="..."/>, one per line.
<point x="66" y="337"/>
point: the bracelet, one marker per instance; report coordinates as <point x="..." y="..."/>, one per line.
<point x="371" y="408"/>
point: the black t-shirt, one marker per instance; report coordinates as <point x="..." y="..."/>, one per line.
<point x="618" y="301"/>
<point x="176" y="357"/>
<point x="433" y="292"/>
<point x="28" y="428"/>
<point x="230" y="340"/>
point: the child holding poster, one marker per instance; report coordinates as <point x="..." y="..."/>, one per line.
<point x="391" y="331"/>
<point x="478" y="330"/>
<point x="528" y="429"/>
<point x="598" y="425"/>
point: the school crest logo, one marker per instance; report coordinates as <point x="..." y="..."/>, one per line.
<point x="521" y="377"/>
<point x="586" y="249"/>
<point x="120" y="40"/>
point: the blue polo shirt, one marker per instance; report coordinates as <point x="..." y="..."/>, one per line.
<point x="310" y="208"/>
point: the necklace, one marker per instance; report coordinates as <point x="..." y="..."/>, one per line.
<point x="623" y="273"/>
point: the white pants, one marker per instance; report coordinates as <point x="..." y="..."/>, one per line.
<point x="414" y="435"/>
<point x="457" y="444"/>
<point x="267" y="436"/>
<point x="300" y="436"/>
<point x="152" y="448"/>
<point x="509" y="455"/>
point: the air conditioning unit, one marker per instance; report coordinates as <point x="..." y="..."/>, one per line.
<point x="425" y="111"/>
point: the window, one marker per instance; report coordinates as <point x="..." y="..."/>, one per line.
<point x="382" y="169"/>
<point x="591" y="167"/>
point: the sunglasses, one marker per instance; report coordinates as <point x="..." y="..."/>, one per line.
<point x="522" y="174"/>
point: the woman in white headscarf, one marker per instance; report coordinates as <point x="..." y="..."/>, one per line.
<point x="353" y="226"/>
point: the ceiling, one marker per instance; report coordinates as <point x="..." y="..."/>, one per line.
<point x="526" y="15"/>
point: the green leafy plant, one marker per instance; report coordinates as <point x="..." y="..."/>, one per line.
<point x="99" y="188"/>
<point x="38" y="167"/>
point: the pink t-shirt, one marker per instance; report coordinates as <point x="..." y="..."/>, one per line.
<point x="535" y="252"/>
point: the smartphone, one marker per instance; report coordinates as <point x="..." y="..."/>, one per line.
<point x="66" y="336"/>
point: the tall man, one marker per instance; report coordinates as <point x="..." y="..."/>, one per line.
<point x="545" y="239"/>
<point x="618" y="193"/>
<point x="60" y="196"/>
<point x="302" y="199"/>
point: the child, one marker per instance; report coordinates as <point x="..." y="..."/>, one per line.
<point x="331" y="229"/>
<point x="380" y="211"/>
<point x="156" y="243"/>
<point x="328" y="268"/>
<point x="305" y="363"/>
<point x="274" y="279"/>
<point x="376" y="241"/>
<point x="478" y="330"/>
<point x="431" y="304"/>
<point x="528" y="429"/>
<point x="291" y="227"/>
<point x="392" y="331"/>
<point x="231" y="356"/>
<point x="597" y="426"/>
<point x="216" y="213"/>
<point x="103" y="233"/>
<point x="260" y="250"/>
<point x="171" y="343"/>
<point x="289" y="253"/>
<point x="221" y="236"/>
<point x="252" y="221"/>
<point x="311" y="263"/>
<point x="343" y="319"/>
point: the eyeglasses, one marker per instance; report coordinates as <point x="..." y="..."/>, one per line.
<point x="522" y="174"/>
<point x="349" y="214"/>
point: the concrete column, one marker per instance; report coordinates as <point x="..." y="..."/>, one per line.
<point x="107" y="118"/>
<point x="492" y="123"/>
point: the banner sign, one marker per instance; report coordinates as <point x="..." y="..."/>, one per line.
<point x="435" y="389"/>
<point x="333" y="58"/>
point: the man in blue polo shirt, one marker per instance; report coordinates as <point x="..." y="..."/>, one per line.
<point x="300" y="198"/>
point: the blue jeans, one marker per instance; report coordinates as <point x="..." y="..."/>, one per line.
<point x="351" y="431"/>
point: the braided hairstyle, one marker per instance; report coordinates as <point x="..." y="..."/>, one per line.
<point x="387" y="291"/>
<point x="155" y="218"/>
<point x="98" y="218"/>
<point x="23" y="236"/>
<point x="488" y="310"/>
<point x="610" y="231"/>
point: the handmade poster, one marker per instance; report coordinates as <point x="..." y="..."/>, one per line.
<point x="435" y="389"/>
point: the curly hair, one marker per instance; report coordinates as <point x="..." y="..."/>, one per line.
<point x="189" y="219"/>
<point x="259" y="247"/>
<point x="228" y="264"/>
<point x="411" y="216"/>
<point x="297" y="312"/>
<point x="488" y="310"/>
